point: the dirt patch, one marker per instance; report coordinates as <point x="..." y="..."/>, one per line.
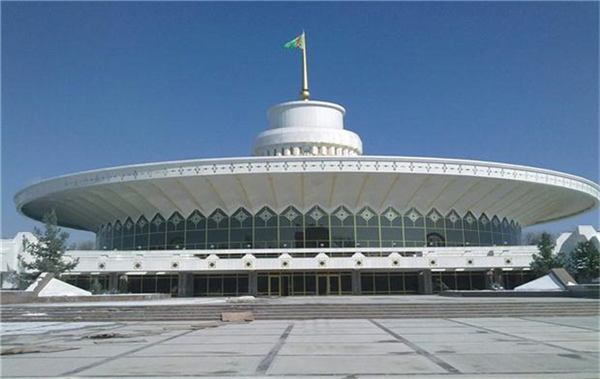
<point x="237" y="316"/>
<point x="35" y="349"/>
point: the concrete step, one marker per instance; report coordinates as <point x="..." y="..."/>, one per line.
<point x="304" y="311"/>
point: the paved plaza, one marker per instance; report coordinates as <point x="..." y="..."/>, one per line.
<point x="529" y="347"/>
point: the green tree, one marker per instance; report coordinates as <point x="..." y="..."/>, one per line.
<point x="545" y="260"/>
<point x="96" y="287"/>
<point x="584" y="262"/>
<point x="47" y="253"/>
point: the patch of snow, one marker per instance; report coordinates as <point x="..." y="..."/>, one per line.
<point x="545" y="283"/>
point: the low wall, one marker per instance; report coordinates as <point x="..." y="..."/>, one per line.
<point x="99" y="298"/>
<point x="17" y="297"/>
<point x="22" y="297"/>
<point x="506" y="293"/>
<point x="590" y="291"/>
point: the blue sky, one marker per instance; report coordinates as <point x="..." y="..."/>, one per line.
<point x="91" y="85"/>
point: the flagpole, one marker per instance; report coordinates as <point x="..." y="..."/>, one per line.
<point x="304" y="94"/>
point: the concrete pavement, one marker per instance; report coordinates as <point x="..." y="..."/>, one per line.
<point x="532" y="347"/>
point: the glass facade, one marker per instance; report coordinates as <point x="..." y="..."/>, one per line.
<point x="300" y="283"/>
<point x="389" y="283"/>
<point x="304" y="283"/>
<point x="220" y="284"/>
<point x="316" y="228"/>
<point x="458" y="281"/>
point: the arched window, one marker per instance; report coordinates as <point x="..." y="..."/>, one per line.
<point x="436" y="240"/>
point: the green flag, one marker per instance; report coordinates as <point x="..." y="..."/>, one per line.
<point x="296" y="43"/>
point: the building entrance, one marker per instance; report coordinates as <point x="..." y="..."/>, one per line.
<point x="279" y="285"/>
<point x="304" y="283"/>
<point x="329" y="284"/>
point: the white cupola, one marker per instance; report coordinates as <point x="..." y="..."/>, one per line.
<point x="307" y="127"/>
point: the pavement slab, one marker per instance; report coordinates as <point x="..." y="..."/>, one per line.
<point x="497" y="348"/>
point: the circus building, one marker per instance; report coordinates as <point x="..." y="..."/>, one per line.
<point x="307" y="214"/>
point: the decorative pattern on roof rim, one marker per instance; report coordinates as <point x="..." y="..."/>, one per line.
<point x="252" y="165"/>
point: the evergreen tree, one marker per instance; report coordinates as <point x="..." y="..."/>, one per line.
<point x="47" y="254"/>
<point x="545" y="260"/>
<point x="584" y="262"/>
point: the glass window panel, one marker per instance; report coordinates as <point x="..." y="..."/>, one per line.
<point x="215" y="285"/>
<point x="218" y="239"/>
<point x="413" y="219"/>
<point x="316" y="232"/>
<point x="449" y="281"/>
<point x="241" y="238"/>
<point x="148" y="284"/>
<point x="134" y="284"/>
<point x="175" y="240"/>
<point x="242" y="284"/>
<point x="434" y="220"/>
<point x="108" y="237"/>
<point x="176" y="223"/>
<point x="478" y="280"/>
<point x="453" y="221"/>
<point x="291" y="233"/>
<point x="496" y="225"/>
<point x="157" y="241"/>
<point x="367" y="283"/>
<point x="158" y="224"/>
<point x="415" y="236"/>
<point x="471" y="238"/>
<point x="346" y="282"/>
<point x="435" y="238"/>
<point x="118" y="236"/>
<point x="298" y="283"/>
<point x="195" y="237"/>
<point x="142" y="229"/>
<point x="342" y="236"/>
<point x="382" y="283"/>
<point x="163" y="283"/>
<point x="342" y="217"/>
<point x="396" y="283"/>
<point x="229" y="285"/>
<point x="262" y="282"/>
<point x="310" y="284"/>
<point x="200" y="285"/>
<point x="463" y="281"/>
<point x="392" y="233"/>
<point x="470" y="222"/>
<point x="455" y="238"/>
<point x="411" y="282"/>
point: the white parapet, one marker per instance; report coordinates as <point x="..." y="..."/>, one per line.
<point x="434" y="258"/>
<point x="307" y="128"/>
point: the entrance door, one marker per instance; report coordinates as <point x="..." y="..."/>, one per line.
<point x="280" y="285"/>
<point x="286" y="285"/>
<point x="274" y="285"/>
<point x="329" y="284"/>
<point x="322" y="285"/>
<point x="334" y="284"/>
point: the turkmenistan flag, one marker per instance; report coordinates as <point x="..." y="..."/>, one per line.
<point x="296" y="43"/>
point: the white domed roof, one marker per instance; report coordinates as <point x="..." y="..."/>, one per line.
<point x="307" y="128"/>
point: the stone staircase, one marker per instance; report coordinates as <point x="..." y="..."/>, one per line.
<point x="301" y="311"/>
